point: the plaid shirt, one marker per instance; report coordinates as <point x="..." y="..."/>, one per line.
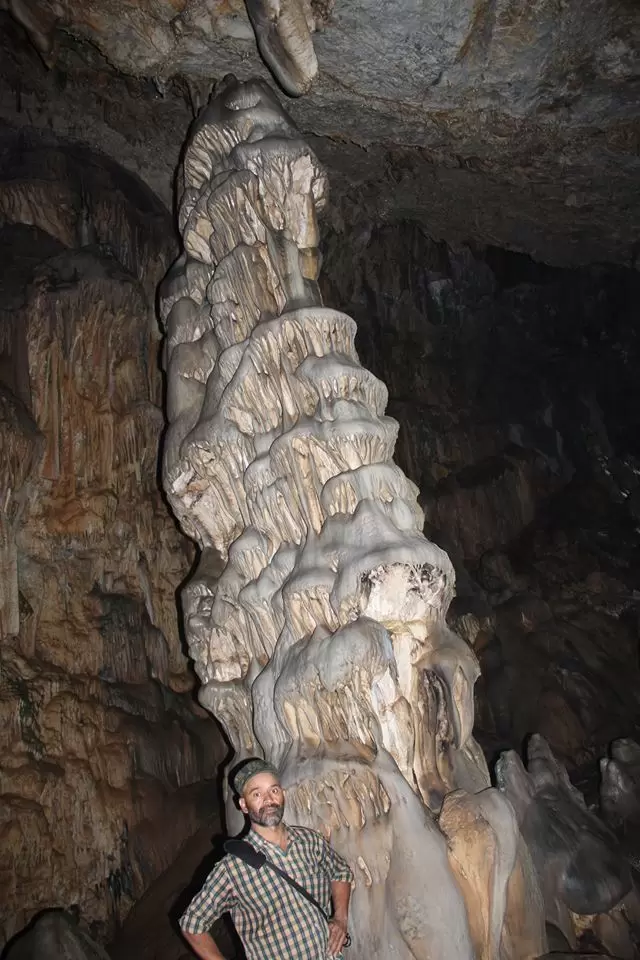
<point x="274" y="921"/>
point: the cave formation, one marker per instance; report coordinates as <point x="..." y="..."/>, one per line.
<point x="486" y="252"/>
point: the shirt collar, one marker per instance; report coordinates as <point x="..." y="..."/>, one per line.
<point x="254" y="837"/>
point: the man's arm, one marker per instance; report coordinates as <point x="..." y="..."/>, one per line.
<point x="340" y="894"/>
<point x="203" y="945"/>
<point x="216" y="897"/>
<point x="341" y="877"/>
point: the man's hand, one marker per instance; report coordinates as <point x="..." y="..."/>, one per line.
<point x="340" y="894"/>
<point x="337" y="936"/>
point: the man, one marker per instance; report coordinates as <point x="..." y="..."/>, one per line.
<point x="274" y="921"/>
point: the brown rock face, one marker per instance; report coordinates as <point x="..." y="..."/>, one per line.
<point x="104" y="756"/>
<point x="505" y="122"/>
<point x="516" y="393"/>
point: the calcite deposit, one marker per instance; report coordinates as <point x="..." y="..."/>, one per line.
<point x="103" y="758"/>
<point x="316" y="617"/>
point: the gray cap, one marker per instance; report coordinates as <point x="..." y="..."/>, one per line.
<point x="251" y="768"/>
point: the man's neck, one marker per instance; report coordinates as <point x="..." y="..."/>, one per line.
<point x="277" y="835"/>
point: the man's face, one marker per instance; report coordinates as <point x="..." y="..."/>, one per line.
<point x="263" y="800"/>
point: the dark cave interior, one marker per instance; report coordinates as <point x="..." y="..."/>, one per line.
<point x="513" y="377"/>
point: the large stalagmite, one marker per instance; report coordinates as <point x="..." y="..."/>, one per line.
<point x="316" y="617"/>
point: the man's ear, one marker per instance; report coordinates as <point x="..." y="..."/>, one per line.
<point x="243" y="805"/>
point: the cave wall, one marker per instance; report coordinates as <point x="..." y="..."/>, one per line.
<point x="515" y="391"/>
<point x="513" y="385"/>
<point x="106" y="761"/>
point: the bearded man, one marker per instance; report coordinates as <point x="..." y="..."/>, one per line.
<point x="274" y="920"/>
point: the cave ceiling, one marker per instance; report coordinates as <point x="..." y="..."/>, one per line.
<point x="511" y="122"/>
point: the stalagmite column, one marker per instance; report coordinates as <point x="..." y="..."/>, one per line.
<point x="316" y="617"/>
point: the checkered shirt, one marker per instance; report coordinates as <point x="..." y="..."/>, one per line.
<point x="274" y="921"/>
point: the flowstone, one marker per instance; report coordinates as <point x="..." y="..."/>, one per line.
<point x="586" y="881"/>
<point x="316" y="616"/>
<point x="57" y="936"/>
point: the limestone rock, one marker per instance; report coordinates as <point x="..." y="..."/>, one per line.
<point x="56" y="936"/>
<point x="620" y="784"/>
<point x="103" y="758"/>
<point x="483" y="840"/>
<point x="581" y="868"/>
<point x="515" y="127"/>
<point x="316" y="617"/>
<point x="283" y="33"/>
<point x="430" y="57"/>
<point x="514" y="462"/>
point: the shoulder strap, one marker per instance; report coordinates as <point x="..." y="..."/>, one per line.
<point x="246" y="852"/>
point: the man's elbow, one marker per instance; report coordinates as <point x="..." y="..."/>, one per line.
<point x="196" y="940"/>
<point x="190" y="937"/>
<point x="203" y="945"/>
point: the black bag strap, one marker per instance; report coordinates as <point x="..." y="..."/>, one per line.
<point x="256" y="859"/>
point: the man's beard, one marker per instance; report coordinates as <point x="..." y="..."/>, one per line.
<point x="268" y="816"/>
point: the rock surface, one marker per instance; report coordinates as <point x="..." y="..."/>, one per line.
<point x="500" y="122"/>
<point x="516" y="393"/>
<point x="400" y="71"/>
<point x="316" y="616"/>
<point x="496" y="455"/>
<point x="582" y="870"/>
<point x="514" y="386"/>
<point x="104" y="757"/>
<point x="150" y="931"/>
<point x="56" y="936"/>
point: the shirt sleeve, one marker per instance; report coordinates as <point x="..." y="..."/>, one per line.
<point x="338" y="870"/>
<point x="216" y="897"/>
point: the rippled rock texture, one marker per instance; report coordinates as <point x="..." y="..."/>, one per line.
<point x="316" y="614"/>
<point x="516" y="392"/>
<point x="319" y="617"/>
<point x="504" y="121"/>
<point x="567" y="64"/>
<point x="104" y="757"/>
<point x="57" y="936"/>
